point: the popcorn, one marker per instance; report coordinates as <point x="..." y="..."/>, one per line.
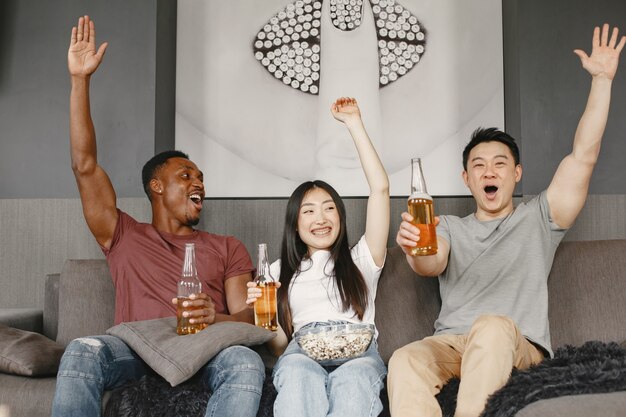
<point x="338" y="342"/>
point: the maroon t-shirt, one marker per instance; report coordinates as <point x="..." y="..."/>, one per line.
<point x="146" y="264"/>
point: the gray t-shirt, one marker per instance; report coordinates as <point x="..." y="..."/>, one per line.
<point x="499" y="267"/>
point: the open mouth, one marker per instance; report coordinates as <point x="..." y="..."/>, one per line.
<point x="491" y="190"/>
<point x="196" y="199"/>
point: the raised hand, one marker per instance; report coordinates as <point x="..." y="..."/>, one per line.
<point x="82" y="58"/>
<point x="604" y="53"/>
<point x="345" y="109"/>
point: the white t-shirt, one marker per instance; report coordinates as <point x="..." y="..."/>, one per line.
<point x="313" y="295"/>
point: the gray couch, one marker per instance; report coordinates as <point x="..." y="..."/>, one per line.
<point x="587" y="290"/>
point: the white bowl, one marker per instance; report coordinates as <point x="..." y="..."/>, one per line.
<point x="339" y="341"/>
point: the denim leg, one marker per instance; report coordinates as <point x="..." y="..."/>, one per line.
<point x="89" y="366"/>
<point x="354" y="387"/>
<point x="301" y="385"/>
<point x="235" y="376"/>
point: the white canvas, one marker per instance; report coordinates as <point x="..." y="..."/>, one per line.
<point x="253" y="136"/>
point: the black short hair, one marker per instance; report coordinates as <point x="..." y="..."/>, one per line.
<point x="491" y="134"/>
<point x="151" y="167"/>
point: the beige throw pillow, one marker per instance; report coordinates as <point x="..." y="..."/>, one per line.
<point x="177" y="358"/>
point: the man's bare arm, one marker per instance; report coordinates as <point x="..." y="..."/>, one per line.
<point x="236" y="293"/>
<point x="96" y="191"/>
<point x="568" y="190"/>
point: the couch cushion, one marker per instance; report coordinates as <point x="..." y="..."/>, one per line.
<point x="21" y="396"/>
<point x="30" y="319"/>
<point x="407" y="305"/>
<point x="29" y="397"/>
<point x="610" y="404"/>
<point x="27" y="353"/>
<point x="587" y="286"/>
<point x="177" y="358"/>
<point x="86" y="299"/>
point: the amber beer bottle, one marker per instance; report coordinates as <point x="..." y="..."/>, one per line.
<point x="265" y="307"/>
<point x="420" y="206"/>
<point x="187" y="285"/>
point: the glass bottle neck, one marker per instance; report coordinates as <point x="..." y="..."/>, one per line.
<point x="189" y="265"/>
<point x="263" y="265"/>
<point x="418" y="184"/>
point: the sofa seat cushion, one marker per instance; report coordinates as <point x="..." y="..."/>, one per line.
<point x="177" y="358"/>
<point x="28" y="353"/>
<point x="610" y="404"/>
<point x="26" y="396"/>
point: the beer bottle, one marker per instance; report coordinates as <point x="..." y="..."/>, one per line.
<point x="420" y="206"/>
<point x="187" y="285"/>
<point x="265" y="307"/>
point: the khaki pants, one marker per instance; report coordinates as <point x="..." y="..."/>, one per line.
<point x="483" y="359"/>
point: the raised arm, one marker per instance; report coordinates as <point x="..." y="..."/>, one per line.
<point x="568" y="190"/>
<point x="96" y="191"/>
<point x="347" y="111"/>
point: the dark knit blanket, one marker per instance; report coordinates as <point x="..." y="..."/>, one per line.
<point x="153" y="396"/>
<point x="594" y="367"/>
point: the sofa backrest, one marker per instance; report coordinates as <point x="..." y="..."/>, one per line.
<point x="587" y="292"/>
<point x="587" y="287"/>
<point x="407" y="305"/>
<point x="86" y="299"/>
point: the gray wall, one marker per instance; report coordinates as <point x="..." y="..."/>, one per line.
<point x="546" y="87"/>
<point x="34" y="91"/>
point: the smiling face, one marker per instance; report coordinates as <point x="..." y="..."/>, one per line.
<point x="179" y="187"/>
<point x="318" y="220"/>
<point x="491" y="176"/>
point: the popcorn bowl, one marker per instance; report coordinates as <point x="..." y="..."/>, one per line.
<point x="335" y="342"/>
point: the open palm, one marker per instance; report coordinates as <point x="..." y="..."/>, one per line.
<point x="604" y="53"/>
<point x="82" y="58"/>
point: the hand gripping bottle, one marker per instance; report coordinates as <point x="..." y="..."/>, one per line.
<point x="265" y="307"/>
<point x="187" y="285"/>
<point x="420" y="206"/>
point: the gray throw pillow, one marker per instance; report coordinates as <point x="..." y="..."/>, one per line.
<point x="177" y="358"/>
<point x="27" y="353"/>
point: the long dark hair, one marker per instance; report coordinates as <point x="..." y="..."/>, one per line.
<point x="348" y="279"/>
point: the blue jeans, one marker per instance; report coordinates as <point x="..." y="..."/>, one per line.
<point x="91" y="365"/>
<point x="307" y="389"/>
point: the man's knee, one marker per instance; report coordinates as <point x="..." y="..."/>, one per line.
<point x="240" y="365"/>
<point x="83" y="358"/>
<point x="494" y="327"/>
<point x="399" y="360"/>
<point x="237" y="356"/>
<point x="494" y="323"/>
